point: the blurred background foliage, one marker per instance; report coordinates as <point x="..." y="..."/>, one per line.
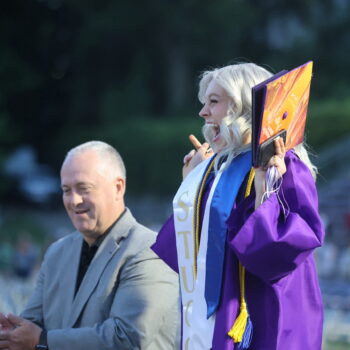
<point x="127" y="73"/>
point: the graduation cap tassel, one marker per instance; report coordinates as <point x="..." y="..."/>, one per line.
<point x="242" y="330"/>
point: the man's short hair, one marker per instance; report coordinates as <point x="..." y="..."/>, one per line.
<point x="107" y="153"/>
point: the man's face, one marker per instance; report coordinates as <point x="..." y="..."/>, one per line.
<point x="92" y="199"/>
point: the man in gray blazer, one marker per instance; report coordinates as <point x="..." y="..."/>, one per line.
<point x="100" y="287"/>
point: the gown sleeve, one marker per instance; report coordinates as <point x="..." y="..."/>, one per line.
<point x="281" y="233"/>
<point x="165" y="245"/>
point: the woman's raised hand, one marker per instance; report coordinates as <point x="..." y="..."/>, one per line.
<point x="195" y="156"/>
<point x="260" y="173"/>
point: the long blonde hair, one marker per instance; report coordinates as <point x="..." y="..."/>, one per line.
<point x="237" y="80"/>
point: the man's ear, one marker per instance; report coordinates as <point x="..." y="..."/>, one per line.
<point x="120" y="188"/>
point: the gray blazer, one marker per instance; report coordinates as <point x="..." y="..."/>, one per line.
<point x="128" y="298"/>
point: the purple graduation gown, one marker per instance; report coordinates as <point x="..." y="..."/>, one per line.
<point x="282" y="289"/>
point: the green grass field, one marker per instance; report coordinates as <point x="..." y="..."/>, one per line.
<point x="336" y="346"/>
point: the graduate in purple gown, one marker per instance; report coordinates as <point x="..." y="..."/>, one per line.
<point x="244" y="255"/>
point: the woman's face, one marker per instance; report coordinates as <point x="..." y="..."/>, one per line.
<point x="215" y="109"/>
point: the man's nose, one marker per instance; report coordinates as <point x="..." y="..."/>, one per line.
<point x="76" y="199"/>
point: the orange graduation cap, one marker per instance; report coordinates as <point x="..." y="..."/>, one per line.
<point x="279" y="109"/>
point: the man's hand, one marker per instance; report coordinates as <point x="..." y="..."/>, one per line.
<point x="5" y="324"/>
<point x="22" y="335"/>
<point x="196" y="156"/>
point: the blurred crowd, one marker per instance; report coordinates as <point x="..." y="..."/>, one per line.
<point x="21" y="258"/>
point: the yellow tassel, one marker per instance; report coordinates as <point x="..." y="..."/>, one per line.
<point x="238" y="328"/>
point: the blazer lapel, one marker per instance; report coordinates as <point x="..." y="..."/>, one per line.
<point x="104" y="254"/>
<point x="69" y="274"/>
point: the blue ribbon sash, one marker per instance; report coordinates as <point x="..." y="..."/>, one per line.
<point x="221" y="205"/>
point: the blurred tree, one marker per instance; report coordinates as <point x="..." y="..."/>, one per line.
<point x="74" y="70"/>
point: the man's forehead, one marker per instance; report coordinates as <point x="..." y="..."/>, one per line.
<point x="77" y="175"/>
<point x="86" y="172"/>
<point x="85" y="161"/>
<point x="82" y="155"/>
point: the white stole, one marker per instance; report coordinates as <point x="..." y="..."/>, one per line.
<point x="197" y="331"/>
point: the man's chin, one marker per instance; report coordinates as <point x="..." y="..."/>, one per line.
<point x="89" y="235"/>
<point x="83" y="229"/>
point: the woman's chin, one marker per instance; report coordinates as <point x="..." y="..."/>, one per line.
<point x="217" y="144"/>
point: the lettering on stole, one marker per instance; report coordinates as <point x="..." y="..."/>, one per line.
<point x="188" y="281"/>
<point x="183" y="206"/>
